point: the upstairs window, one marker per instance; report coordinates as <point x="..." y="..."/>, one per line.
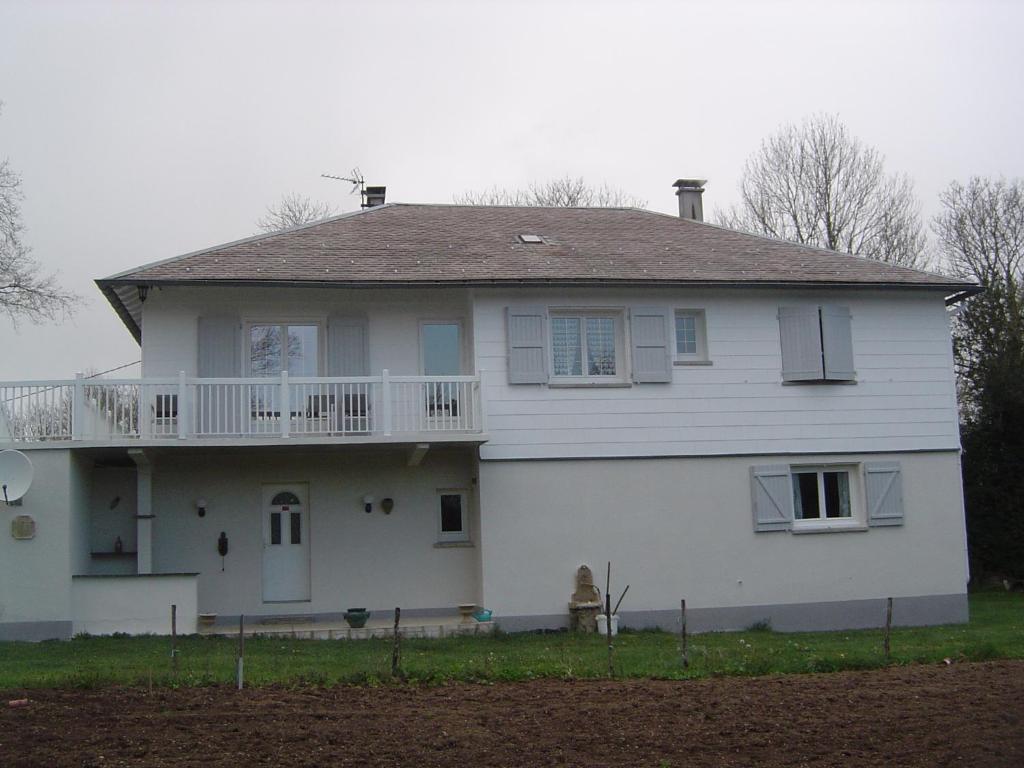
<point x="586" y="346"/>
<point x="817" y="344"/>
<point x="441" y="348"/>
<point x="690" y="337"/>
<point x="278" y="347"/>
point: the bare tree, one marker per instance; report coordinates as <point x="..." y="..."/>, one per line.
<point x="565" y="192"/>
<point x="981" y="229"/>
<point x="815" y="184"/>
<point x="26" y="291"/>
<point x="981" y="235"/>
<point x="292" y="210"/>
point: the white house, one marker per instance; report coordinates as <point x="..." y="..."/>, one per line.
<point x="428" y="405"/>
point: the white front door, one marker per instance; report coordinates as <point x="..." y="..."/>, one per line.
<point x="285" y="543"/>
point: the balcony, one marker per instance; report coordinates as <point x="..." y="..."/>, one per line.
<point x="381" y="408"/>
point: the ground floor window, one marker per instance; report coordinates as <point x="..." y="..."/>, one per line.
<point x="453" y="523"/>
<point x="821" y="493"/>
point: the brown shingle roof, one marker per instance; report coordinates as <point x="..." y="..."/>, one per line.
<point x="405" y="244"/>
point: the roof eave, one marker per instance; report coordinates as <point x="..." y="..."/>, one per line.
<point x="953" y="287"/>
<point x="107" y="288"/>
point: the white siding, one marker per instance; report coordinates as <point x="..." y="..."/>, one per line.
<point x="904" y="398"/>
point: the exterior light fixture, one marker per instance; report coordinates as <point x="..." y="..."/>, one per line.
<point x="201" y="507"/>
<point x="387" y="505"/>
<point x="367" y="504"/>
<point x="143" y="293"/>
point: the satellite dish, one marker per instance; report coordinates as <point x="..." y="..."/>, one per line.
<point x="15" y="475"/>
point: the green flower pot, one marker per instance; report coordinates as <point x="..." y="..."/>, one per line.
<point x="356" y="617"/>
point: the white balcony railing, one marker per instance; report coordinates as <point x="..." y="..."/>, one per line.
<point x="182" y="407"/>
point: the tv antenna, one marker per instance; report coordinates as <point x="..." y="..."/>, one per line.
<point x="355" y="178"/>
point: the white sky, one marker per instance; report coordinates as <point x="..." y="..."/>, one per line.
<point x="144" y="130"/>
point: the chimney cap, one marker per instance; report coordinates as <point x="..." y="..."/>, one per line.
<point x="696" y="184"/>
<point x="374" y="196"/>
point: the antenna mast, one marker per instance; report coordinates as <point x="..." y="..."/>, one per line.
<point x="355" y="178"/>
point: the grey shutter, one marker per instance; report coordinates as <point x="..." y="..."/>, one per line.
<point x="220" y="352"/>
<point x="651" y="341"/>
<point x="800" y="332"/>
<point x="772" y="491"/>
<point x="837" y="343"/>
<point x="884" y="486"/>
<point x="220" y="357"/>
<point x="348" y="349"/>
<point x="527" y="337"/>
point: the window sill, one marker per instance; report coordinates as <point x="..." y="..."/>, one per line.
<point x="452" y="544"/>
<point x="692" y="362"/>
<point x="855" y="527"/>
<point x="589" y="385"/>
<point x="820" y="383"/>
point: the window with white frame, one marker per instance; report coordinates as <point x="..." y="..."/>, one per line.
<point x="823" y="495"/>
<point x="453" y="516"/>
<point x="276" y="347"/>
<point x="587" y="346"/>
<point x="691" y="344"/>
<point x="805" y="498"/>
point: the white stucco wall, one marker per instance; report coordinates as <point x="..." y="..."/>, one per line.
<point x="682" y="528"/>
<point x="372" y="560"/>
<point x="102" y="605"/>
<point x="35" y="574"/>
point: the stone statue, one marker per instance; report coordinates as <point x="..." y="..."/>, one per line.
<point x="585" y="603"/>
<point x="585" y="592"/>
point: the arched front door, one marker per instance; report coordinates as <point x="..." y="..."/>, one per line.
<point x="285" y="543"/>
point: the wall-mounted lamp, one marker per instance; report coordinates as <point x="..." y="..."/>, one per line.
<point x="143" y="292"/>
<point x="201" y="507"/>
<point x="387" y="505"/>
<point x="367" y="504"/>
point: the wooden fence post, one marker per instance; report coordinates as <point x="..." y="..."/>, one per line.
<point x="174" y="638"/>
<point x="608" y="618"/>
<point x="888" y="627"/>
<point x="240" y="666"/>
<point x="396" y="651"/>
<point x="682" y="633"/>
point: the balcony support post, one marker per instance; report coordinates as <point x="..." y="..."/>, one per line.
<point x="182" y="406"/>
<point x="78" y="407"/>
<point x="286" y="406"/>
<point x="143" y="510"/>
<point x="385" y="396"/>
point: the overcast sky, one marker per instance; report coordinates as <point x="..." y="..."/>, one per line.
<point x="145" y="130"/>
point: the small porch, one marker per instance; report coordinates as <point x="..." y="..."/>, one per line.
<point x="289" y="535"/>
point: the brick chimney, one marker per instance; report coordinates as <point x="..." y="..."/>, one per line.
<point x="374" y="197"/>
<point x="690" y="192"/>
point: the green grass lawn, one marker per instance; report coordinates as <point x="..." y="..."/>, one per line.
<point x="996" y="630"/>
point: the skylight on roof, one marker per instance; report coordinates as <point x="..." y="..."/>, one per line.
<point x="532" y="239"/>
